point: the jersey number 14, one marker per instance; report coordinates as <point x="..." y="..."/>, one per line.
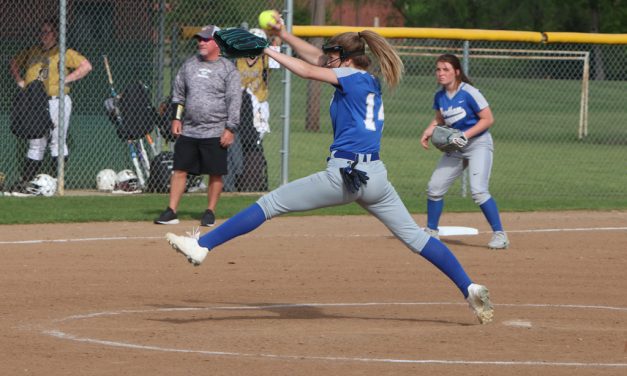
<point x="369" y="120"/>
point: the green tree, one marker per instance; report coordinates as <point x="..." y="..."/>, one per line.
<point x="606" y="16"/>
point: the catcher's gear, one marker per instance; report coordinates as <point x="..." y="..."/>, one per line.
<point x="448" y="139"/>
<point x="42" y="185"/>
<point x="353" y="178"/>
<point x="30" y="114"/>
<point x="236" y="43"/>
<point x="105" y="180"/>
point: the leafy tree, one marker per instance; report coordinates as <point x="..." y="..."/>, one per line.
<point x="606" y="16"/>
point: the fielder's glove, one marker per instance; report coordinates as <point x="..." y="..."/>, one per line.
<point x="236" y="43"/>
<point x="353" y="178"/>
<point x="448" y="139"/>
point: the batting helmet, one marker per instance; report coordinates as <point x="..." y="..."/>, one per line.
<point x="42" y="185"/>
<point x="105" y="180"/>
<point x="127" y="182"/>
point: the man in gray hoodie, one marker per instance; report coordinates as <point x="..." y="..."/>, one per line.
<point x="206" y="101"/>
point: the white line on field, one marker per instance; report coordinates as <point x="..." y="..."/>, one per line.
<point x="67" y="336"/>
<point x="63" y="335"/>
<point x="73" y="240"/>
<point x="114" y="238"/>
<point x="567" y="229"/>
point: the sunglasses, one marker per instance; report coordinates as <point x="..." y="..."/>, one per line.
<point x="204" y="39"/>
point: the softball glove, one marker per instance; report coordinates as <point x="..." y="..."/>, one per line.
<point x="448" y="139"/>
<point x="236" y="43"/>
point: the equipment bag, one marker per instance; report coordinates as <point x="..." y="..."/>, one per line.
<point x="30" y="115"/>
<point x="139" y="117"/>
<point x="161" y="172"/>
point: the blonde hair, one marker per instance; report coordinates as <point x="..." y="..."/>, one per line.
<point x="389" y="61"/>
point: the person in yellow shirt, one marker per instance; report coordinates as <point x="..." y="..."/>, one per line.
<point x="275" y="44"/>
<point x="41" y="62"/>
<point x="254" y="75"/>
<point x="250" y="165"/>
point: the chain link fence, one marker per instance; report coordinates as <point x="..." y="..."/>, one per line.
<point x="559" y="131"/>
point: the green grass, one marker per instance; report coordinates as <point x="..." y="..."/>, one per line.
<point x="146" y="207"/>
<point x="539" y="163"/>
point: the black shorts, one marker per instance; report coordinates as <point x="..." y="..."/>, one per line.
<point x="200" y="156"/>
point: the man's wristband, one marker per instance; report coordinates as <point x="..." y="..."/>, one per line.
<point x="177" y="110"/>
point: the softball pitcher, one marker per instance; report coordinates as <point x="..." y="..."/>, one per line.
<point x="354" y="170"/>
<point x="460" y="105"/>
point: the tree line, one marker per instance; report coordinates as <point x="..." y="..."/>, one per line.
<point x="595" y="16"/>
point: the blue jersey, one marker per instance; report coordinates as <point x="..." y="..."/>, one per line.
<point x="461" y="110"/>
<point x="356" y="112"/>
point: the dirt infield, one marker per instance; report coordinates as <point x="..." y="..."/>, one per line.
<point x="314" y="296"/>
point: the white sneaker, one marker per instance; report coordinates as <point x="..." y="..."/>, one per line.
<point x="188" y="246"/>
<point x="499" y="240"/>
<point x="479" y="301"/>
<point x="432" y="233"/>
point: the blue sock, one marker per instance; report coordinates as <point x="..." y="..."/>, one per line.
<point x="491" y="213"/>
<point x="239" y="224"/>
<point x="439" y="255"/>
<point x="434" y="211"/>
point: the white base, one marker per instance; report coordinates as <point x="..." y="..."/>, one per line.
<point x="457" y="230"/>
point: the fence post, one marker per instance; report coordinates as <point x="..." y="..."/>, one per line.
<point x="287" y="101"/>
<point x="61" y="119"/>
<point x="466" y="66"/>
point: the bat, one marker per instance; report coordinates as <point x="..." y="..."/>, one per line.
<point x="114" y="111"/>
<point x="152" y="144"/>
<point x="140" y="174"/>
<point x="144" y="157"/>
<point x="109" y="77"/>
<point x="111" y="104"/>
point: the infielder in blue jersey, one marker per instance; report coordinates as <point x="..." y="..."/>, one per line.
<point x="355" y="172"/>
<point x="460" y="105"/>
